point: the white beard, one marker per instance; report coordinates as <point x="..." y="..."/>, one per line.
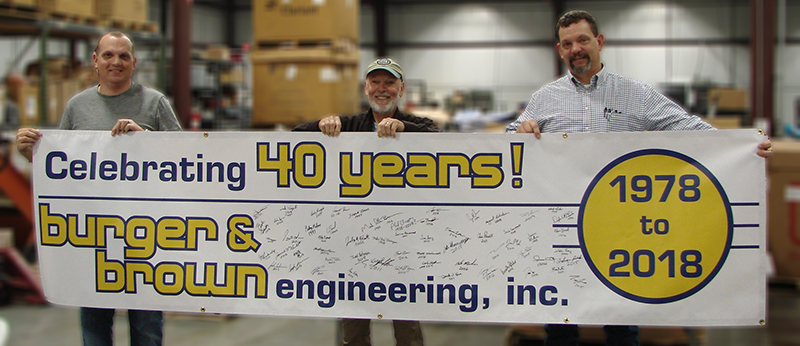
<point x="383" y="109"/>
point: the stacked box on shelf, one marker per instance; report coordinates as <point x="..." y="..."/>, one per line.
<point x="130" y="13"/>
<point x="26" y="97"/>
<point x="784" y="208"/>
<point x="304" y="19"/>
<point x="59" y="71"/>
<point x="305" y="60"/>
<point x="217" y="52"/>
<point x="292" y="89"/>
<point x="23" y="3"/>
<point x="68" y="88"/>
<point x="29" y="105"/>
<point x="82" y="8"/>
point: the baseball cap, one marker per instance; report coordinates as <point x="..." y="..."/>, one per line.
<point x="386" y="64"/>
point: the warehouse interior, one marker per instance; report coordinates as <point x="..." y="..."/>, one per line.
<point x="471" y="65"/>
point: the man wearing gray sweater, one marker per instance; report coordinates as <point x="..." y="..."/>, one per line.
<point x="118" y="104"/>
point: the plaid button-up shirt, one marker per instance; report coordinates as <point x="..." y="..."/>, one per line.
<point x="611" y="103"/>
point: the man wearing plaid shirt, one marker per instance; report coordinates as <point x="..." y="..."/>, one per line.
<point x="592" y="99"/>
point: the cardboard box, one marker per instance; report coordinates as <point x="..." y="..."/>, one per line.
<point x="783" y="208"/>
<point x="304" y="19"/>
<point x="69" y="88"/>
<point x="233" y="75"/>
<point x="69" y="7"/>
<point x="218" y="53"/>
<point x="728" y="100"/>
<point x="57" y="67"/>
<point x="334" y="49"/>
<point x="725" y="122"/>
<point x="25" y="3"/>
<point x="27" y="99"/>
<point x="294" y="92"/>
<point x="87" y="77"/>
<point x="133" y="10"/>
<point x="53" y="101"/>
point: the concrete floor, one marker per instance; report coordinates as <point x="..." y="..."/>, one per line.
<point x="52" y="325"/>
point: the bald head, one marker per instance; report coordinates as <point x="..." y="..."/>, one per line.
<point x="116" y="34"/>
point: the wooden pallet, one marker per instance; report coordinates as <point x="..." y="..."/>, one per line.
<point x="335" y="43"/>
<point x="74" y="18"/>
<point x="132" y="25"/>
<point x="21" y="11"/>
<point x="21" y="4"/>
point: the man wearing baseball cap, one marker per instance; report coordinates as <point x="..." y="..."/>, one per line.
<point x="384" y="87"/>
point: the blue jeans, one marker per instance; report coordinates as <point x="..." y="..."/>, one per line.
<point x="147" y="327"/>
<point x="357" y="332"/>
<point x="567" y="335"/>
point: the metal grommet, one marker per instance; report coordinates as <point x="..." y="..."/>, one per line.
<point x="565" y="135"/>
<point x="380" y="316"/>
<point x="205" y="134"/>
<point x="566" y="320"/>
<point x="202" y="309"/>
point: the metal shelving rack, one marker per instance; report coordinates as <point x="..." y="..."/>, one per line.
<point x="41" y="28"/>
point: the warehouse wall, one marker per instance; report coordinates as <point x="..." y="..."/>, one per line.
<point x="208" y="23"/>
<point x="14" y="47"/>
<point x="787" y="90"/>
<point x="511" y="72"/>
<point x="634" y="30"/>
<point x="509" y="47"/>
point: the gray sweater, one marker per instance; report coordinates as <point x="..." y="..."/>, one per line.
<point x="91" y="110"/>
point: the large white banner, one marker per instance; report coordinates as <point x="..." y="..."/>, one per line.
<point x="664" y="228"/>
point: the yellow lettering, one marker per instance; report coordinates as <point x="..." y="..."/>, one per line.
<point x="140" y="235"/>
<point x="169" y="278"/>
<point x="238" y="239"/>
<point x="209" y="287"/>
<point x="49" y="223"/>
<point x="388" y="169"/>
<point x="356" y="185"/>
<point x="131" y="269"/>
<point x="446" y="161"/>
<point x="229" y="288"/>
<point x="196" y="225"/>
<point x="110" y="275"/>
<point x="317" y="153"/>
<point x="257" y="272"/>
<point x="487" y="172"/>
<point x="106" y="223"/>
<point x="170" y="233"/>
<point x="282" y="164"/>
<point x="191" y="282"/>
<point x="421" y="170"/>
<point x="87" y="240"/>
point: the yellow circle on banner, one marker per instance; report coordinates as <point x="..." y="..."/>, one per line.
<point x="655" y="226"/>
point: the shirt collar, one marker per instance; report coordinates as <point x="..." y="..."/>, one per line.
<point x="597" y="79"/>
